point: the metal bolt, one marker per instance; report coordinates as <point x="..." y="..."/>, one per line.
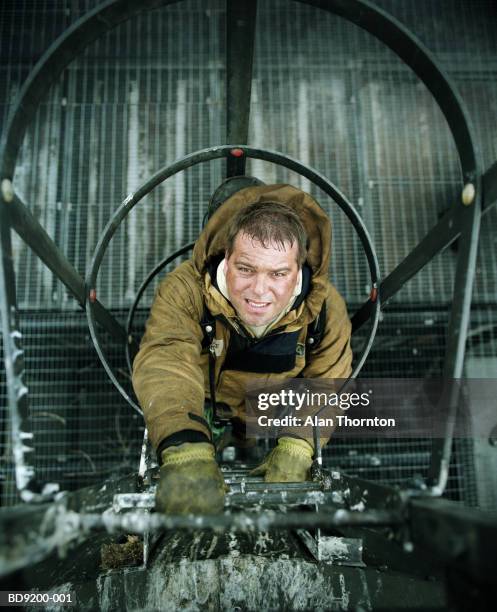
<point x="311" y="341"/>
<point x="7" y="190"/>
<point x="208" y="328"/>
<point x="408" y="547"/>
<point x="492" y="438"/>
<point x="468" y="194"/>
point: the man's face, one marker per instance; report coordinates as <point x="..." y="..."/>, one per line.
<point x="260" y="280"/>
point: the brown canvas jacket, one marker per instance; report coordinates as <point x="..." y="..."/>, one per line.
<point x="170" y="371"/>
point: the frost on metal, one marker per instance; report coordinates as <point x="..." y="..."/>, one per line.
<point x="247" y="582"/>
<point x="259" y="571"/>
<point x="333" y="549"/>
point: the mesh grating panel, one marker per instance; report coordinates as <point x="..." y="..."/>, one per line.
<point x="324" y="92"/>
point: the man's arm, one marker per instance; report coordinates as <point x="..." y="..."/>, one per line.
<point x="167" y="376"/>
<point x="333" y="357"/>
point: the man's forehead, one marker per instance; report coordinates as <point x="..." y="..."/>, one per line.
<point x="252" y="250"/>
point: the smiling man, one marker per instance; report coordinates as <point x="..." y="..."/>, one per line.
<point x="261" y="278"/>
<point x="257" y="283"/>
<point x="265" y="251"/>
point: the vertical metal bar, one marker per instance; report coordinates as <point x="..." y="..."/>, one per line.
<point x="240" y="34"/>
<point x="129" y="252"/>
<point x="65" y="171"/>
<point x="318" y="451"/>
<point x="180" y="194"/>
<point x="303" y="128"/>
<point x="26" y="279"/>
<point x="457" y="333"/>
<point x="36" y="188"/>
<point x="157" y="213"/>
<point x="17" y="392"/>
<point x="358" y="164"/>
<point x="115" y="138"/>
<point x="97" y="169"/>
<point x="52" y="205"/>
<point x="257" y="165"/>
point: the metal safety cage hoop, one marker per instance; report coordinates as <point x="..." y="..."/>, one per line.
<point x="206" y="155"/>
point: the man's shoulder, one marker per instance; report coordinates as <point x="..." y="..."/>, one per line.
<point x="185" y="273"/>
<point x="334" y="299"/>
<point x="183" y="285"/>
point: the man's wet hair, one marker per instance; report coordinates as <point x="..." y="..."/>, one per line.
<point x="271" y="224"/>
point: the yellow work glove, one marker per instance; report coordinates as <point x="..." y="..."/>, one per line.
<point x="190" y="480"/>
<point x="290" y="461"/>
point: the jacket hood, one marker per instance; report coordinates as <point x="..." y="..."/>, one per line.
<point x="212" y="241"/>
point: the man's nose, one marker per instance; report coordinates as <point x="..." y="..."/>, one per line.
<point x="259" y="286"/>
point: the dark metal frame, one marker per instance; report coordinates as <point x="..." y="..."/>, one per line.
<point x="240" y="36"/>
<point x="462" y="220"/>
<point x="206" y="155"/>
<point x="17" y="392"/>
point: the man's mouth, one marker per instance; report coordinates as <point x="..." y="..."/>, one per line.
<point x="254" y="304"/>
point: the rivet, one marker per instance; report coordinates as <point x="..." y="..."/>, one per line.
<point x="208" y="328"/>
<point x="311" y="340"/>
<point x="468" y="194"/>
<point x="7" y="190"/>
<point x="408" y="547"/>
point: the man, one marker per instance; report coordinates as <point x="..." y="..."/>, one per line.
<point x="260" y="269"/>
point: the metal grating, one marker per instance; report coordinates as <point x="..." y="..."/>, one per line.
<point x="324" y="92"/>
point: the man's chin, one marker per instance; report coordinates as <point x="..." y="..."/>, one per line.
<point x="256" y="323"/>
<point x="256" y="320"/>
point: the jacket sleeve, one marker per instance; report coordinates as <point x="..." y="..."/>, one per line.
<point x="167" y="375"/>
<point x="333" y="357"/>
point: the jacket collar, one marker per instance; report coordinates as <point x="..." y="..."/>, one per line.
<point x="211" y="245"/>
<point x="219" y="305"/>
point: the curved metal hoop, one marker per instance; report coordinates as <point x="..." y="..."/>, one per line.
<point x="364" y="14"/>
<point x="207" y="155"/>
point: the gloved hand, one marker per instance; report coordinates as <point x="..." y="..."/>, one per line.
<point x="289" y="461"/>
<point x="190" y="480"/>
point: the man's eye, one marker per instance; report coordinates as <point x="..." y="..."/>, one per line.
<point x="242" y="269"/>
<point x="279" y="274"/>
